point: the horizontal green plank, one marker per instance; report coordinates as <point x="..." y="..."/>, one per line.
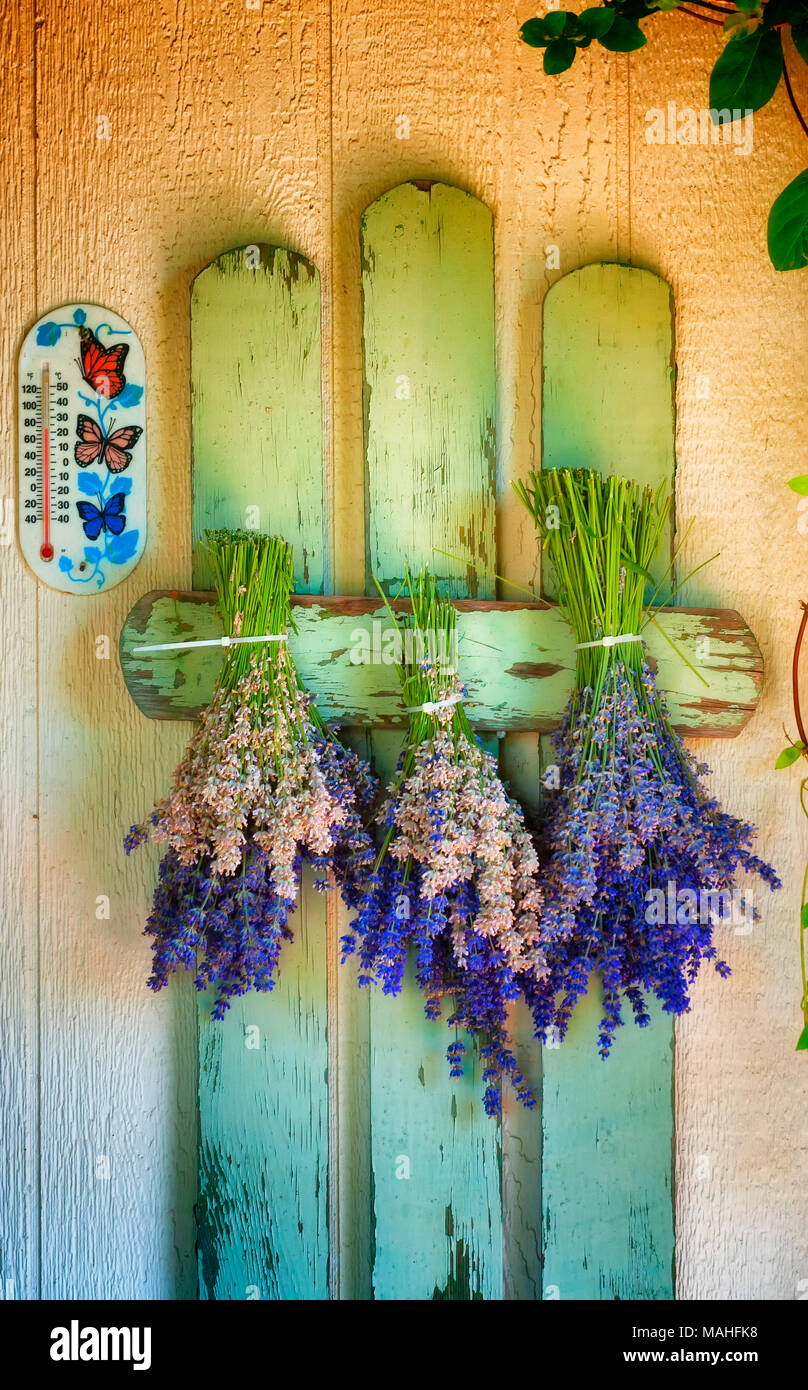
<point x="517" y="662"/>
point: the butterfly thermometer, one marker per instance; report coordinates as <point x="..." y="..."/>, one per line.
<point x="82" y="451"/>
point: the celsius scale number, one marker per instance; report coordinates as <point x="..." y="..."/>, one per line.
<point x="45" y="442"/>
<point x="82" y="451"/>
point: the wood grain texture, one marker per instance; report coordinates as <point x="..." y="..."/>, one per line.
<point x="436" y="1171"/>
<point x="607" y="1134"/>
<point x="518" y="662"/>
<point x="698" y="215"/>
<point x="263" y="1199"/>
<point x="417" y="95"/>
<point x="256" y="392"/>
<point x="117" y="1064"/>
<point x="607" y="1147"/>
<point x="214" y="139"/>
<point x="263" y="1094"/>
<point x="608" y="378"/>
<point x="19" y="939"/>
<point x="429" y="384"/>
<point x="232" y="125"/>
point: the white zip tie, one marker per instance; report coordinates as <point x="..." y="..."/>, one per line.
<point x="211" y="642"/>
<point x="610" y="641"/>
<point x="432" y="706"/>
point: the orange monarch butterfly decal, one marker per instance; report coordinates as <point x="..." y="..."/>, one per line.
<point x="102" y="367"/>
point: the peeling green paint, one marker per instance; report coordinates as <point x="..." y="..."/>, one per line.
<point x="429" y="380"/>
<point x="428" y="295"/>
<point x="607" y="1126"/>
<point x="263" y="1090"/>
<point x="507" y="689"/>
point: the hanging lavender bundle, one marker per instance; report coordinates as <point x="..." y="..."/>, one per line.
<point x="456" y="874"/>
<point x="264" y="785"/>
<point x="640" y="860"/>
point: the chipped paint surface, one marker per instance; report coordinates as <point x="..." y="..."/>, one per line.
<point x="507" y="690"/>
<point x="436" y="1161"/>
<point x="263" y="1178"/>
<point x="429" y="382"/>
<point x="607" y="1131"/>
<point x="428" y="295"/>
<point x="607" y="1126"/>
<point x="263" y="1091"/>
<point x="256" y="402"/>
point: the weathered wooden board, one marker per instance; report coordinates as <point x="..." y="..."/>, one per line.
<point x="263" y="1093"/>
<point x="256" y="403"/>
<point x="20" y="1137"/>
<point x="607" y="1136"/>
<point x="115" y="1163"/>
<point x="429" y="382"/>
<point x="263" y="1177"/>
<point x="518" y="662"/>
<point x="608" y="377"/>
<point x="607" y="1126"/>
<point x="428" y="336"/>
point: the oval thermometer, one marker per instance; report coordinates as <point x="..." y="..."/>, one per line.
<point x="81" y="512"/>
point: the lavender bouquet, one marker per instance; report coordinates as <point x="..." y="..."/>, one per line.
<point x="263" y="785"/>
<point x="455" y="876"/>
<point x="639" y="859"/>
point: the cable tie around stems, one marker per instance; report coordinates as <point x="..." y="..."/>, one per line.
<point x="433" y="706"/>
<point x="212" y="642"/>
<point x="610" y="641"/>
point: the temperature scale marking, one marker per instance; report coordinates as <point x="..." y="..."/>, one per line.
<point x="46" y="549"/>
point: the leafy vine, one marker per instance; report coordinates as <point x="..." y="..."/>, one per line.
<point x="744" y="79"/>
<point x="791" y="754"/>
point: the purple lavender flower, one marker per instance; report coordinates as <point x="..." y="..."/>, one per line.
<point x="637" y="857"/>
<point x="456" y="878"/>
<point x="262" y="788"/>
<point x="638" y="860"/>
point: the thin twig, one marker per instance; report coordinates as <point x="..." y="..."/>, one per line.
<point x="795" y="677"/>
<point x="792" y="98"/>
<point x="694" y="14"/>
<point x="708" y="5"/>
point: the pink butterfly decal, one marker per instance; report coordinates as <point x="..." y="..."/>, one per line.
<point x="111" y="447"/>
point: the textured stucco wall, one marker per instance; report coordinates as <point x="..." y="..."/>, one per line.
<point x="230" y="123"/>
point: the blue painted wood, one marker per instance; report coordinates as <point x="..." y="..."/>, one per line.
<point x="607" y="1126"/>
<point x="263" y="1091"/>
<point x="428" y="285"/>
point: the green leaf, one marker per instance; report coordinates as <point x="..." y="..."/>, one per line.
<point x="802" y="1045"/>
<point x="799" y="484"/>
<point x="788" y="226"/>
<point x="747" y="73"/>
<point x="789" y="755"/>
<point x="739" y="23"/>
<point x="555" y="23"/>
<point x="532" y="33"/>
<point x="558" y="56"/>
<point x="668" y="4"/>
<point x="623" y="36"/>
<point x="634" y="568"/>
<point x="598" y="21"/>
<point x="800" y="37"/>
<point x="804" y="916"/>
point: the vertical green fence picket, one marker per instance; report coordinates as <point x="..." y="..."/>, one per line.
<point x="607" y="1126"/>
<point x="263" y="1092"/>
<point x="429" y="384"/>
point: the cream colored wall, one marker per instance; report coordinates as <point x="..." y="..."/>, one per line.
<point x="230" y="124"/>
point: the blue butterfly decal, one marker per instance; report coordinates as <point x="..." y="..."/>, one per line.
<point x="110" y="518"/>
